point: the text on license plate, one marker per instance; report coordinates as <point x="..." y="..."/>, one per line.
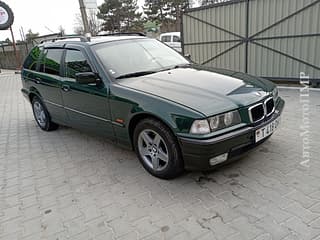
<point x="267" y="130"/>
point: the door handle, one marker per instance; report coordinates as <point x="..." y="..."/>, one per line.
<point x="38" y="80"/>
<point x="66" y="88"/>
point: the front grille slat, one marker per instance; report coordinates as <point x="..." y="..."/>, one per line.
<point x="256" y="112"/>
<point x="261" y="110"/>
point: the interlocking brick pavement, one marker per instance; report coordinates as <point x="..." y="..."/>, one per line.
<point x="69" y="185"/>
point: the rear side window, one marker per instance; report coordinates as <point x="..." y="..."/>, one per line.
<point x="76" y="62"/>
<point x="51" y="61"/>
<point x="166" y="38"/>
<point x="32" y="59"/>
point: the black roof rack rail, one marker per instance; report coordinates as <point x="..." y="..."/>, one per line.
<point x="123" y="34"/>
<point x="82" y="39"/>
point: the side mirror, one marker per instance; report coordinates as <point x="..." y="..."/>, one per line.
<point x="87" y="77"/>
<point x="187" y="56"/>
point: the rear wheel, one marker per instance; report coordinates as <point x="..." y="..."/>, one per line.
<point x="157" y="149"/>
<point x="42" y="115"/>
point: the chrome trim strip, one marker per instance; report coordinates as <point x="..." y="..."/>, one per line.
<point x="54" y="104"/>
<point x="85" y="114"/>
<point x="250" y="114"/>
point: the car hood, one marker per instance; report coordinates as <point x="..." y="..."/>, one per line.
<point x="206" y="90"/>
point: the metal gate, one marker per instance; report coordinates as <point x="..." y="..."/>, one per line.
<point x="275" y="39"/>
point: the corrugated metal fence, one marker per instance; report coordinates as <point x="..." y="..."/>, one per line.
<point x="276" y="39"/>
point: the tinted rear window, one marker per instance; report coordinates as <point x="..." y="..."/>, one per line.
<point x="32" y="59"/>
<point x="51" y="61"/>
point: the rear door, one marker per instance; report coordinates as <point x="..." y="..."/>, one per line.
<point x="86" y="105"/>
<point x="48" y="82"/>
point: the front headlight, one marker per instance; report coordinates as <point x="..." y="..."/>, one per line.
<point x="275" y="93"/>
<point x="215" y="123"/>
<point x="228" y="118"/>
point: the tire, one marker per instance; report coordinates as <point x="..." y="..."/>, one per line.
<point x="157" y="149"/>
<point x="42" y="116"/>
<point x="9" y="22"/>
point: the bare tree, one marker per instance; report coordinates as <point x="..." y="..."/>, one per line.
<point x="93" y="21"/>
<point x="61" y="30"/>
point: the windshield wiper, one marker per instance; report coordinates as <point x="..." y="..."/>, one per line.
<point x="177" y="66"/>
<point x="142" y="73"/>
<point x="135" y="74"/>
<point x="182" y="65"/>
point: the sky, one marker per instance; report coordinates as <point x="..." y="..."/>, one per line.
<point x="44" y="16"/>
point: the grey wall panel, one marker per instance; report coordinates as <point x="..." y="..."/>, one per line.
<point x="288" y="47"/>
<point x="266" y="13"/>
<point x="263" y="62"/>
<point x="230" y="18"/>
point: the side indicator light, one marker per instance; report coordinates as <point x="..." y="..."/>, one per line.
<point x="119" y="120"/>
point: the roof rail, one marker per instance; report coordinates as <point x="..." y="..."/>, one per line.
<point x="82" y="39"/>
<point x="123" y="34"/>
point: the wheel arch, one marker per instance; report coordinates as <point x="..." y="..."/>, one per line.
<point x="139" y="117"/>
<point x="34" y="93"/>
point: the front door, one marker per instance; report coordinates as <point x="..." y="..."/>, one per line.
<point x="86" y="105"/>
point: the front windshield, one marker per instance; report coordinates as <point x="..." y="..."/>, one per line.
<point x="124" y="57"/>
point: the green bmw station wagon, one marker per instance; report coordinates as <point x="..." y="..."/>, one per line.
<point x="145" y="96"/>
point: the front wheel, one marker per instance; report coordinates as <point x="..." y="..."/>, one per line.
<point x="157" y="149"/>
<point x="42" y="116"/>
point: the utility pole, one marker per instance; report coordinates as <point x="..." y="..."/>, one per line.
<point x="18" y="64"/>
<point x="84" y="17"/>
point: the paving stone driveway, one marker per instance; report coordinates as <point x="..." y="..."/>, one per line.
<point x="69" y="185"/>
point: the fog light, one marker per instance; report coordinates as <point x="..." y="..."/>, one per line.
<point x="218" y="159"/>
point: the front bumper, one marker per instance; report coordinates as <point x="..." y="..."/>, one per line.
<point x="197" y="153"/>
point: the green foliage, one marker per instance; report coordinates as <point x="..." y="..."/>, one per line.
<point x="123" y="16"/>
<point x="161" y="11"/>
<point x="120" y="15"/>
<point x="165" y="12"/>
<point x="151" y="26"/>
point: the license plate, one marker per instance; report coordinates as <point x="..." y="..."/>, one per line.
<point x="267" y="130"/>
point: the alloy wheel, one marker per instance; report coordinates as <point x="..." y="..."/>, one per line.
<point x="39" y="114"/>
<point x="153" y="150"/>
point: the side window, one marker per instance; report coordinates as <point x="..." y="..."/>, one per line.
<point x="166" y="39"/>
<point x="32" y="59"/>
<point x="176" y="39"/>
<point x="41" y="59"/>
<point x="75" y="62"/>
<point x="51" y="61"/>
